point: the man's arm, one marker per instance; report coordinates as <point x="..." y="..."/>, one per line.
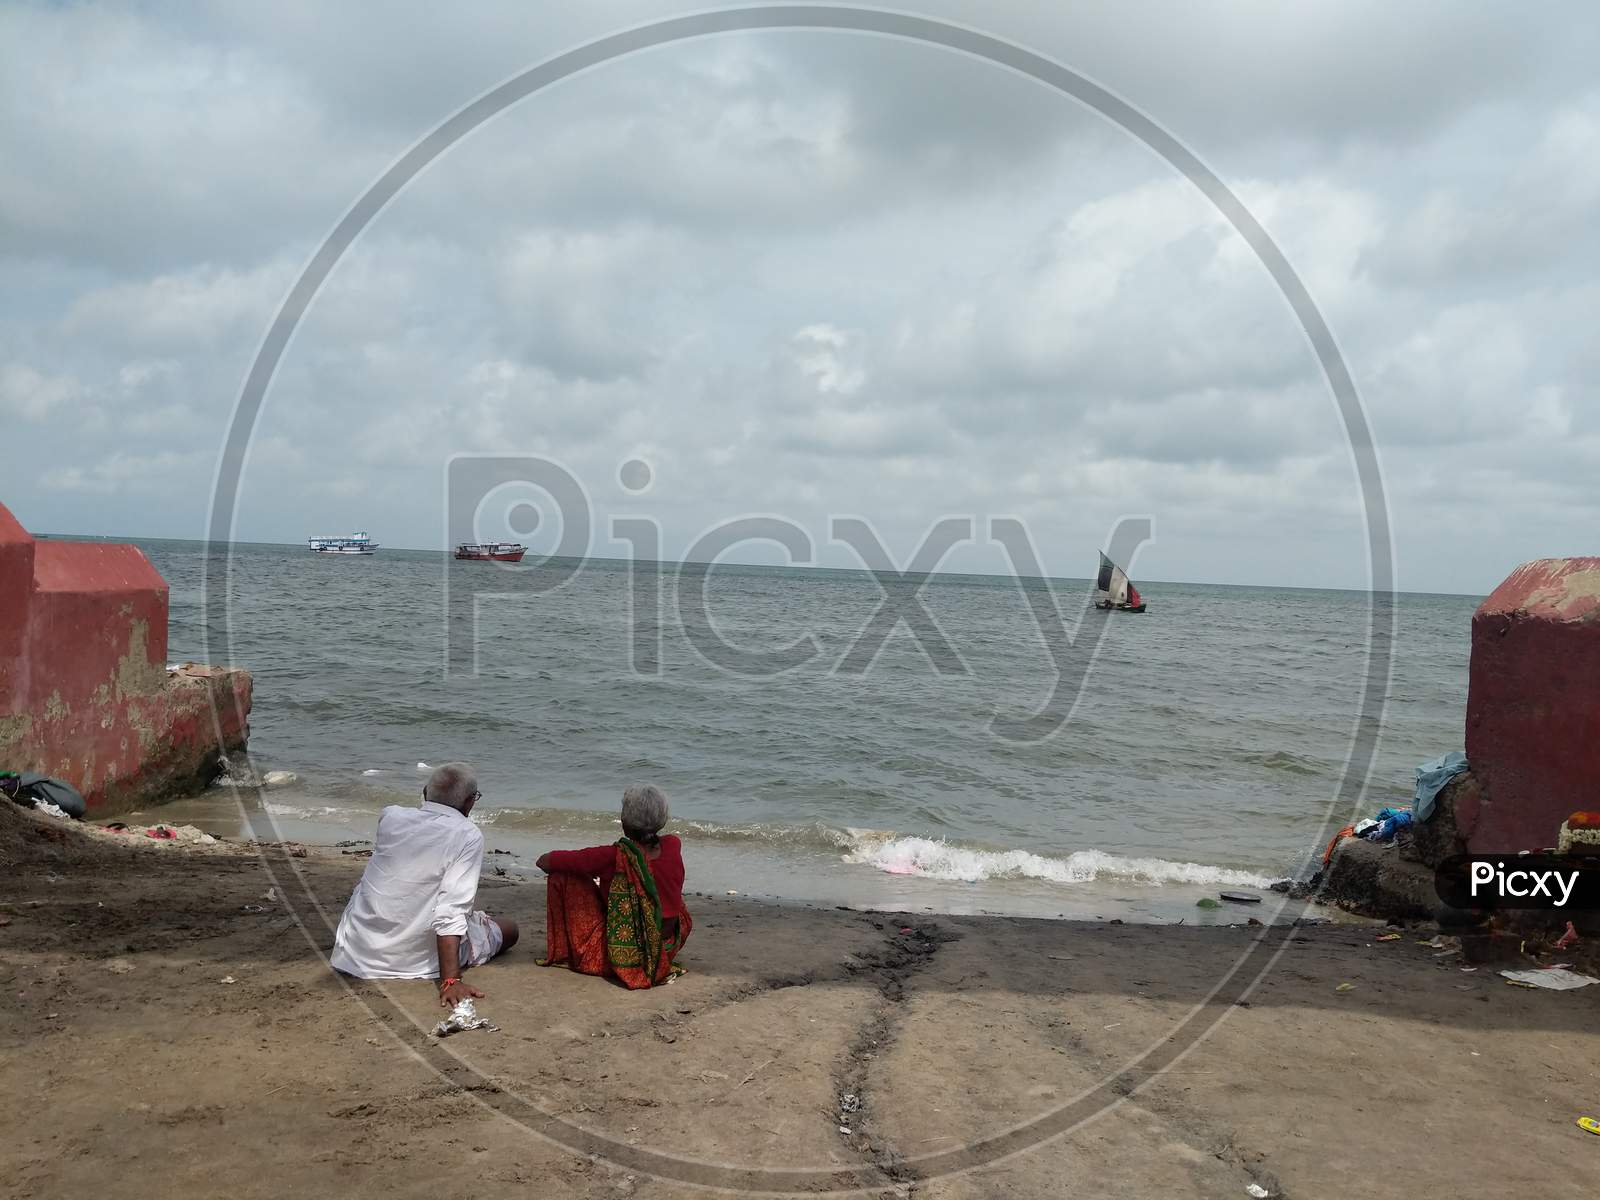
<point x="452" y="990"/>
<point x="457" y="890"/>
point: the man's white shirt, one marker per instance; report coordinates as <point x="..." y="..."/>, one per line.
<point x="420" y="882"/>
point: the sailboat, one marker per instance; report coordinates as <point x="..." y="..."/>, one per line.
<point x="1113" y="589"/>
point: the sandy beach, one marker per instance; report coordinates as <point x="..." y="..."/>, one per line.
<point x="965" y="1056"/>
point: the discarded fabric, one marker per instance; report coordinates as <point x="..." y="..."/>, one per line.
<point x="29" y="787"/>
<point x="1431" y="778"/>
<point x="1389" y="822"/>
<point x="1555" y="979"/>
<point x="1327" y="854"/>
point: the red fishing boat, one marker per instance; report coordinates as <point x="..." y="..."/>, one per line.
<point x="491" y="551"/>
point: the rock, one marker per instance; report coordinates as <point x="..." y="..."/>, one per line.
<point x="1432" y="841"/>
<point x="1372" y="879"/>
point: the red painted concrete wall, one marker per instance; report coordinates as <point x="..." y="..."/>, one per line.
<point x="84" y="690"/>
<point x="16" y="570"/>
<point x="1533" y="705"/>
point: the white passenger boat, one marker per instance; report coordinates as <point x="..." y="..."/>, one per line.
<point x="354" y="543"/>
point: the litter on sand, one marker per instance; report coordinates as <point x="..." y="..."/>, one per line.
<point x="463" y="1016"/>
<point x="1241" y="897"/>
<point x="1206" y="902"/>
<point x="1589" y="1123"/>
<point x="1345" y="987"/>
<point x="1555" y="979"/>
<point x="1259" y="1192"/>
<point x="227" y="979"/>
<point x="1388" y="937"/>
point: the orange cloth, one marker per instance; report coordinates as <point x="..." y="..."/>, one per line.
<point x="1347" y="831"/>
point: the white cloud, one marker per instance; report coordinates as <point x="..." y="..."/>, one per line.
<point x="828" y="357"/>
<point x="31" y="396"/>
<point x="188" y="310"/>
<point x="168" y="472"/>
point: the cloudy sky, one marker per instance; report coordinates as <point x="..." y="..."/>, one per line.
<point x="814" y="273"/>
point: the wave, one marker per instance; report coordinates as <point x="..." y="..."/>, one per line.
<point x="932" y="859"/>
<point x="363" y="801"/>
<point x="309" y="812"/>
<point x="880" y="849"/>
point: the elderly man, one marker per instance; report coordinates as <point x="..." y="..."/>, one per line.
<point x="411" y="915"/>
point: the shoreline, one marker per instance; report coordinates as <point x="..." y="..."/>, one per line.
<point x="947" y="1031"/>
<point x="862" y="869"/>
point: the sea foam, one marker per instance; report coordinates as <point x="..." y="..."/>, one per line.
<point x="933" y="859"/>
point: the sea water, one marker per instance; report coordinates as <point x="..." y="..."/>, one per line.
<point x="1205" y="750"/>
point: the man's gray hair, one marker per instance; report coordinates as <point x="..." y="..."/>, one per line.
<point x="644" y="811"/>
<point x="452" y="784"/>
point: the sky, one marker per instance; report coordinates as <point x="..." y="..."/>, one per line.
<point x="813" y="274"/>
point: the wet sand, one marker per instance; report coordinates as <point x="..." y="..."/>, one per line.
<point x="964" y="1056"/>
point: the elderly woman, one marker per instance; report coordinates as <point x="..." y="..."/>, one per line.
<point x="618" y="910"/>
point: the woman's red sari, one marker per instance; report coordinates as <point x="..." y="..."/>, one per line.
<point x="618" y="931"/>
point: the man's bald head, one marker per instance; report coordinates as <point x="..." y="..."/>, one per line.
<point x="454" y="785"/>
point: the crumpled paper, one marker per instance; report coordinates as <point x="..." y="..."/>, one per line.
<point x="463" y="1016"/>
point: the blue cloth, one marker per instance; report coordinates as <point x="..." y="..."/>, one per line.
<point x="1431" y="778"/>
<point x="1390" y="821"/>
